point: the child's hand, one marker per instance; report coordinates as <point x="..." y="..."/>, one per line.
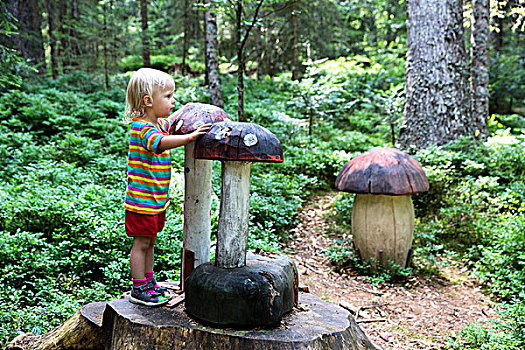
<point x="201" y="130"/>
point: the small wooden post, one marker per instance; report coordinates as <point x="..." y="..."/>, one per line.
<point x="232" y="235"/>
<point x="197" y="210"/>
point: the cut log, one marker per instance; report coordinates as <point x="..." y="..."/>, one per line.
<point x="81" y="331"/>
<point x="320" y="326"/>
<point x="257" y="294"/>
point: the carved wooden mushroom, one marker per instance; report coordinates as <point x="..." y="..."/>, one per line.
<point x="236" y="289"/>
<point x="197" y="186"/>
<point x="237" y="145"/>
<point x="383" y="215"/>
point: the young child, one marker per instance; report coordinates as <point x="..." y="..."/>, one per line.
<point x="149" y="100"/>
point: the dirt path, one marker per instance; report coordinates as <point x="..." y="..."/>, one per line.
<point x="416" y="315"/>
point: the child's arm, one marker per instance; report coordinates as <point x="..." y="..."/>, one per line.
<point x="173" y="141"/>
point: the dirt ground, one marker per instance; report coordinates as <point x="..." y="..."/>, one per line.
<point x="417" y="314"/>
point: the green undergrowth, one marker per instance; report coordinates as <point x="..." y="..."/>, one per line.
<point x="63" y="151"/>
<point x="63" y="160"/>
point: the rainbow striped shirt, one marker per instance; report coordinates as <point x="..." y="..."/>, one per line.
<point x="149" y="172"/>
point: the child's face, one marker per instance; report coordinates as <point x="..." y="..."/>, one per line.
<point x="163" y="101"/>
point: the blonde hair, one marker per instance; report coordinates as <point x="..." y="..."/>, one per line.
<point x="143" y="82"/>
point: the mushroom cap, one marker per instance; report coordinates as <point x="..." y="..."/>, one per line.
<point x="235" y="141"/>
<point x="382" y="171"/>
<point x="194" y="115"/>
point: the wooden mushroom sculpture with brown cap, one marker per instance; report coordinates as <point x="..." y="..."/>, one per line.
<point x="197" y="186"/>
<point x="238" y="146"/>
<point x="240" y="289"/>
<point x="383" y="215"/>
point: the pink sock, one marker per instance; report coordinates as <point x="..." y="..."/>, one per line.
<point x="139" y="282"/>
<point x="150" y="276"/>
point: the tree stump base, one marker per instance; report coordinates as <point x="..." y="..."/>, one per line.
<point x="119" y="324"/>
<point x="257" y="294"/>
<point x="314" y="325"/>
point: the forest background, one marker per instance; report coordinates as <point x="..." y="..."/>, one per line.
<point x="327" y="77"/>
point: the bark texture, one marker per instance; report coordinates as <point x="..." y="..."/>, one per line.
<point x="186" y="35"/>
<point x="479" y="70"/>
<point x="214" y="78"/>
<point x="437" y="107"/>
<point x="118" y="324"/>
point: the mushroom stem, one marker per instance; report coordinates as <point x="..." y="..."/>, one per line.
<point x="232" y="235"/>
<point x="197" y="207"/>
<point x="383" y="227"/>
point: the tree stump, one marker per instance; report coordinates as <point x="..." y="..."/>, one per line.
<point x="121" y="325"/>
<point x="315" y="325"/>
<point x="83" y="330"/>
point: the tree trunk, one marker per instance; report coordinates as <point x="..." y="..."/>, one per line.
<point x="52" y="38"/>
<point x="28" y="40"/>
<point x="259" y="52"/>
<point x="232" y="235"/>
<point x="212" y="61"/>
<point x="106" y="58"/>
<point x="437" y="107"/>
<point x="74" y="37"/>
<point x="206" y="67"/>
<point x="241" y="43"/>
<point x="63" y="52"/>
<point x="145" y="38"/>
<point x="295" y="50"/>
<point x="119" y="324"/>
<point x="479" y="70"/>
<point x="186" y="35"/>
<point x="240" y="63"/>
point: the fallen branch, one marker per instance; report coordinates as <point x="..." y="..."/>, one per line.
<point x="349" y="307"/>
<point x="369" y="320"/>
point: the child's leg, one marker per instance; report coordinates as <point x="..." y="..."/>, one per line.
<point x="149" y="258"/>
<point x="141" y="256"/>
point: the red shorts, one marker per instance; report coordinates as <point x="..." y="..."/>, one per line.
<point x="143" y="225"/>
